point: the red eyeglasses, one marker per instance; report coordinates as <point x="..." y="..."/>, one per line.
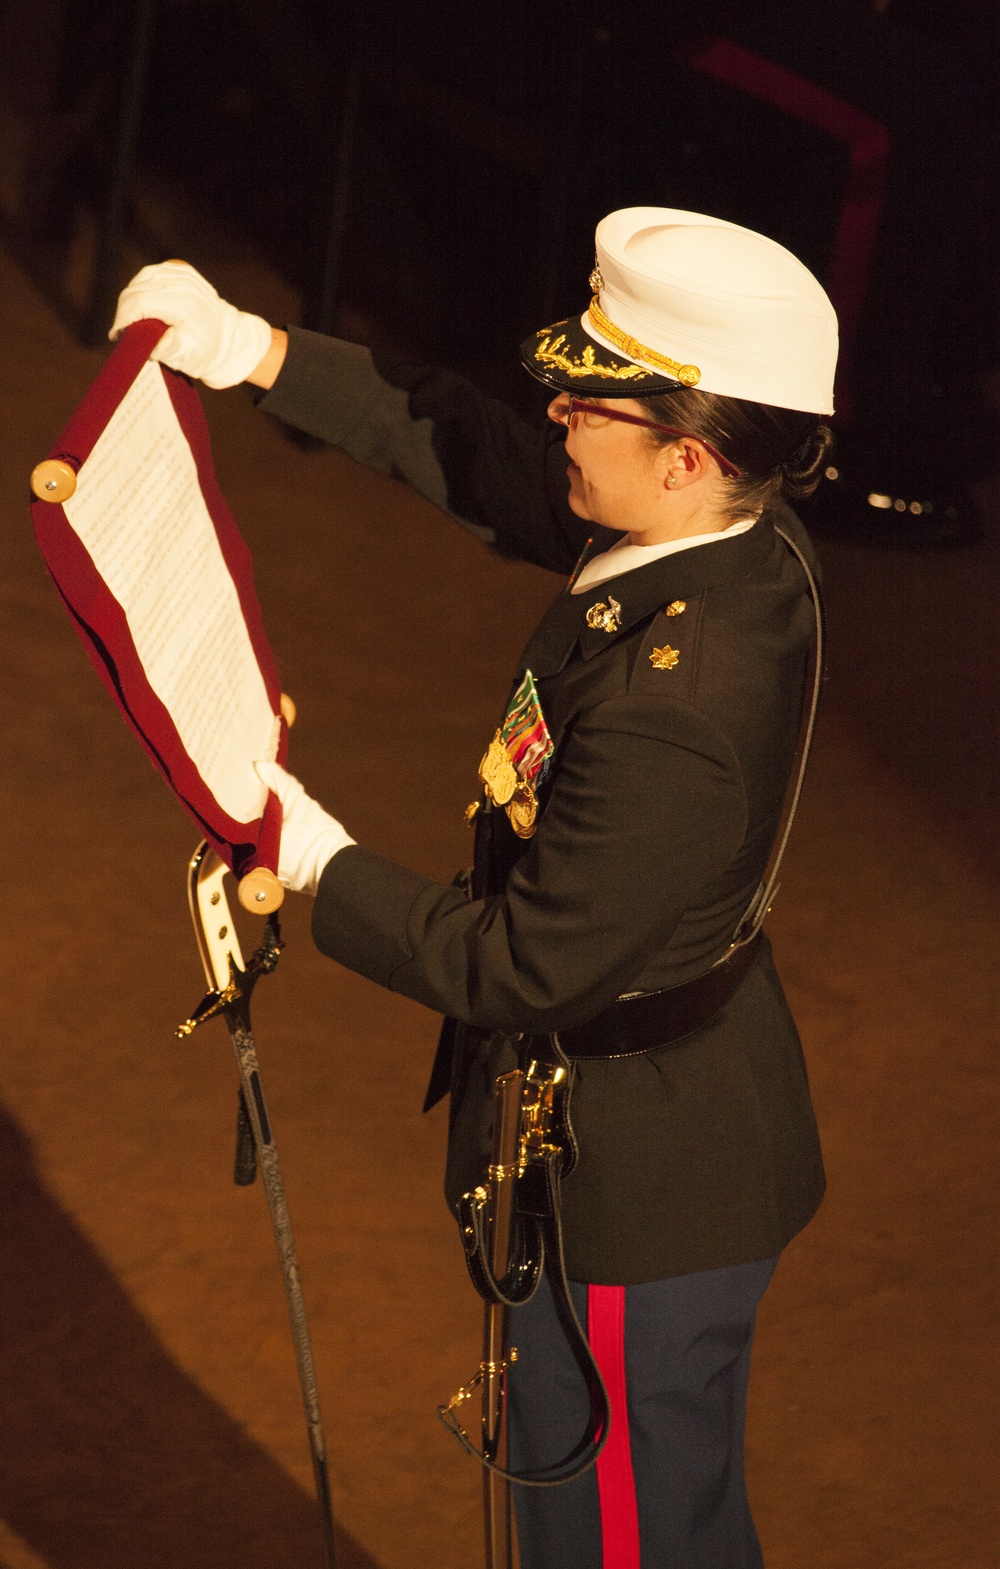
<point x="597" y="414"/>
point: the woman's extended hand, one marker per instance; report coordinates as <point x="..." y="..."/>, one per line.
<point x="310" y="837"/>
<point x="209" y="339"/>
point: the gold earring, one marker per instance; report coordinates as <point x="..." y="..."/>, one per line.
<point x="671" y="480"/>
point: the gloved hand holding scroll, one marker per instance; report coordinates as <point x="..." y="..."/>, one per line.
<point x="310" y="837"/>
<point x="209" y="339"/>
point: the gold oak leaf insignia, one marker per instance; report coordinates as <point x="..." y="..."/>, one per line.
<point x="664" y="658"/>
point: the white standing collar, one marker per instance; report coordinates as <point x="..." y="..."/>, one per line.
<point x="623" y="557"/>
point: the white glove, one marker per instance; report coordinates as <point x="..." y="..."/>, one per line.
<point x="209" y="339"/>
<point x="310" y="837"/>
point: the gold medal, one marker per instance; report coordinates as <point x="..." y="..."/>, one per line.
<point x="493" y="757"/>
<point x="489" y="758"/>
<point x="517" y="755"/>
<point x="497" y="772"/>
<point x="504" y="784"/>
<point x="523" y="811"/>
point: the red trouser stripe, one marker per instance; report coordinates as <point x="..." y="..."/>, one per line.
<point x="615" y="1481"/>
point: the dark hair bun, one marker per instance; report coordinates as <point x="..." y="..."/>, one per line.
<point x="802" y="472"/>
<point x="754" y="436"/>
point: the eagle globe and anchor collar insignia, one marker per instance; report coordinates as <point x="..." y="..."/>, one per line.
<point x="605" y="617"/>
<point x="516" y="756"/>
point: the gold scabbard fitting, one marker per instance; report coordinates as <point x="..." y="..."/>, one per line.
<point x="484" y="1370"/>
<point x="466" y="1392"/>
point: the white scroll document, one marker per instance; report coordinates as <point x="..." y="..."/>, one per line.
<point x="139" y="511"/>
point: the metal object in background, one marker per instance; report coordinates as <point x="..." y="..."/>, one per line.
<point x="231" y="983"/>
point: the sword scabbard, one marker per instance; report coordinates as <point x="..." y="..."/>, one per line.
<point x="501" y="1182"/>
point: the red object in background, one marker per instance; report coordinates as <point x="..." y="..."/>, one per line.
<point x="867" y="142"/>
<point x="100" y="619"/>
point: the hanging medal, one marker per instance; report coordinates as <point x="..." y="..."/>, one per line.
<point x="516" y="757"/>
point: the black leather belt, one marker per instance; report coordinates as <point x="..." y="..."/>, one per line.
<point x="632" y="1026"/>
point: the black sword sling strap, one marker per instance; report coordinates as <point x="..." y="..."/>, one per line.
<point x="653" y="1021"/>
<point x="754" y="917"/>
<point x="547" y="1152"/>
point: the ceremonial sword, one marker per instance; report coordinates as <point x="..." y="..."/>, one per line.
<point x="231" y="983"/>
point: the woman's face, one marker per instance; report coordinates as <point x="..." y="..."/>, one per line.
<point x="616" y="472"/>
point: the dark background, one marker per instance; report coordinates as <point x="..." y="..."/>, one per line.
<point x="433" y="177"/>
<point x="149" y="1414"/>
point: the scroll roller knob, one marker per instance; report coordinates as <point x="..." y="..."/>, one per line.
<point x="260" y="891"/>
<point x="53" y="480"/>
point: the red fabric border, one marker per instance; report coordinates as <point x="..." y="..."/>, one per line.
<point x="864" y="190"/>
<point x="615" y="1480"/>
<point x="100" y="620"/>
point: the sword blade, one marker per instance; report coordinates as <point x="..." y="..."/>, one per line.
<point x="277" y="1203"/>
<point x="231" y="982"/>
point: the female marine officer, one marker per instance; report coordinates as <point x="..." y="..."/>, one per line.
<point x="631" y="797"/>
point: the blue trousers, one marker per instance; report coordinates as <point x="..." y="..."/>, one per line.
<point x="686" y="1365"/>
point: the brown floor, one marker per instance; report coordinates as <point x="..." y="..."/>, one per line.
<point x="149" y="1408"/>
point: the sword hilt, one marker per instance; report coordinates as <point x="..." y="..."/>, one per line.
<point x="211" y="1005"/>
<point x="231" y="982"/>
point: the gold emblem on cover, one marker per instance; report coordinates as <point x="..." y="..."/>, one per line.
<point x="664" y="658"/>
<point x="605" y="617"/>
<point x="677" y="608"/>
<point x="498" y="772"/>
<point x="595" y="280"/>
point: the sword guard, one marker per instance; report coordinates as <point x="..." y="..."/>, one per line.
<point x="211" y="1005"/>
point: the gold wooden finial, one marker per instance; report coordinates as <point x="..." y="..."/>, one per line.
<point x="260" y="891"/>
<point x="53" y="480"/>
